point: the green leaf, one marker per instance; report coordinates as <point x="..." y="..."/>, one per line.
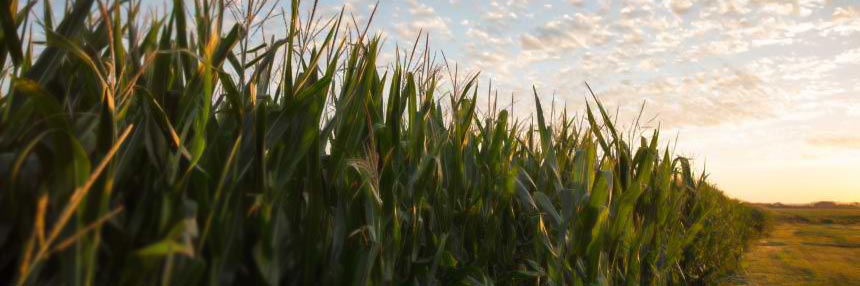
<point x="165" y="248"/>
<point x="546" y="205"/>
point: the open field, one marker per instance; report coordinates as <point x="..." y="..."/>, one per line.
<point x="807" y="247"/>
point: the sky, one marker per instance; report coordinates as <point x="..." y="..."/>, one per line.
<point x="763" y="94"/>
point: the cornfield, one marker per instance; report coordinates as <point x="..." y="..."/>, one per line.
<point x="170" y="148"/>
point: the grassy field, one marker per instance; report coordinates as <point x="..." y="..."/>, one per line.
<point x="807" y="247"/>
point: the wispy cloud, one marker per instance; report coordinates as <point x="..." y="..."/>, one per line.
<point x="680" y="7"/>
<point x="570" y="32"/>
<point x="840" y="142"/>
<point x="422" y="18"/>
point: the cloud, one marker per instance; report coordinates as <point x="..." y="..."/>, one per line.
<point x="848" y="57"/>
<point x="844" y="21"/>
<point x="680" y="7"/>
<point x="846" y="13"/>
<point x="421" y="10"/>
<point x="499" y="16"/>
<point x="530" y="42"/>
<point x="582" y="30"/>
<point x="794" y="69"/>
<point x="576" y="2"/>
<point x="484" y="38"/>
<point x="360" y="8"/>
<point x="422" y="18"/>
<point x="650" y="63"/>
<point x="706" y="98"/>
<point x="838" y="142"/>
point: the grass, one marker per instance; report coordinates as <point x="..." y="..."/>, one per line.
<point x="817" y="215"/>
<point x="822" y="248"/>
<point x="175" y="150"/>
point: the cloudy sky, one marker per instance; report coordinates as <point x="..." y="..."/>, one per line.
<point x="764" y="93"/>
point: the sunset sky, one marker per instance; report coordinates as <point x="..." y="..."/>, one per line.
<point x="765" y="94"/>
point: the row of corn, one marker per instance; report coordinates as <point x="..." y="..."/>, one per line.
<point x="182" y="148"/>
